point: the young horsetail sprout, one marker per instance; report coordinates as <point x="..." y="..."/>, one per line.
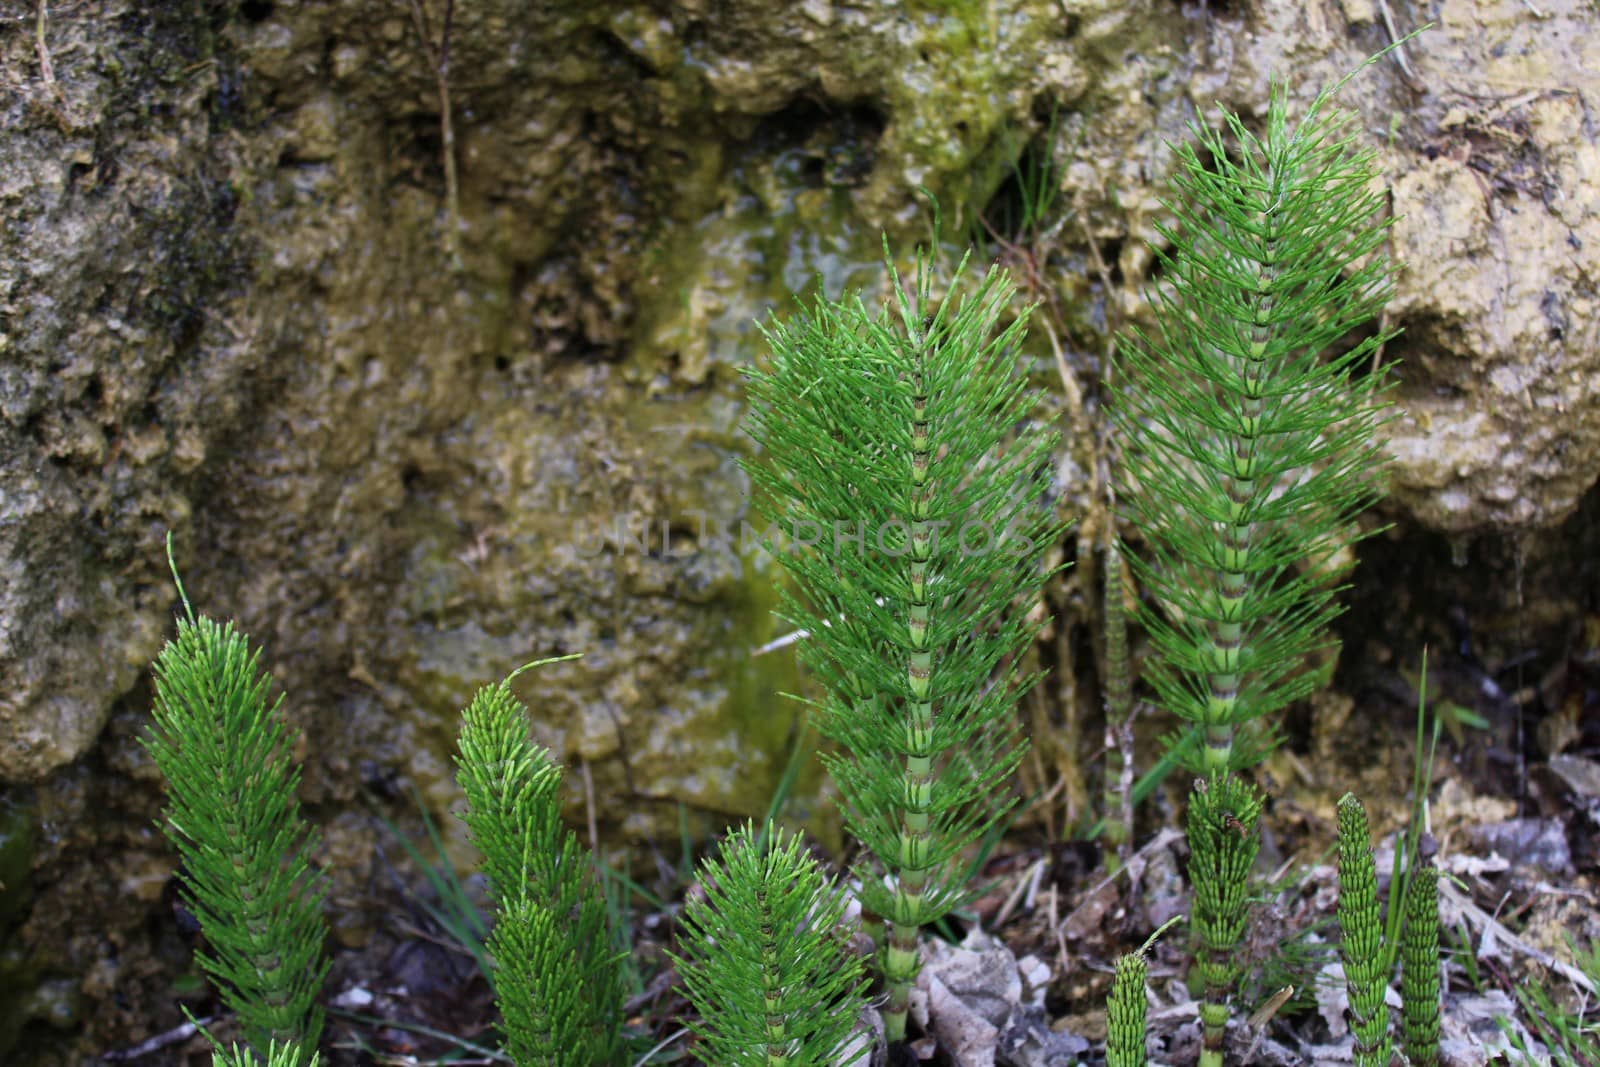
<point x="768" y="966"/>
<point x="895" y="463"/>
<point x="1419" y="969"/>
<point x="1223" y="813"/>
<point x="557" y="978"/>
<point x="277" y="1055"/>
<point x="222" y="746"/>
<point x="1125" y="1007"/>
<point x="1361" y="937"/>
<point x="1125" y="1013"/>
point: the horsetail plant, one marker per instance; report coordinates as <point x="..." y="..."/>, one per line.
<point x="1419" y="969"/>
<point x="232" y="815"/>
<point x="556" y="979"/>
<point x="1125" y="1013"/>
<point x="894" y="463"/>
<point x="1119" y="712"/>
<point x="1125" y="1006"/>
<point x="1361" y="946"/>
<point x="1221" y="829"/>
<point x="277" y="1055"/>
<point x="1248" y="454"/>
<point x="768" y="966"/>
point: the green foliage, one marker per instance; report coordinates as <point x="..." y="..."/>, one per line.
<point x="768" y="964"/>
<point x="278" y="1055"/>
<point x="912" y="508"/>
<point x="1223" y="813"/>
<point x="918" y="521"/>
<point x="556" y="977"/>
<point x="1361" y="936"/>
<point x="1419" y="970"/>
<point x="1248" y="452"/>
<point x="233" y="816"/>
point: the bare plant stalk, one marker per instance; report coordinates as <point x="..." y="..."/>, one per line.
<point x="439" y="59"/>
<point x="47" y="70"/>
<point x="1119" y="710"/>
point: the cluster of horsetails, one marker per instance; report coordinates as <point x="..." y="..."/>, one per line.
<point x="905" y="429"/>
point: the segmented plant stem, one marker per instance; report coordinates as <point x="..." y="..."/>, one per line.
<point x="901" y="960"/>
<point x="773" y="979"/>
<point x="1125" y="1013"/>
<point x="1238" y="482"/>
<point x="233" y="816"/>
<point x="1223" y="813"/>
<point x="1361" y="936"/>
<point x="1419" y="969"/>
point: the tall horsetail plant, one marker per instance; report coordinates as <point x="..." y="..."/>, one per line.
<point x="894" y="463"/>
<point x="769" y="969"/>
<point x="1119" y="710"/>
<point x="1248" y="450"/>
<point x="557" y="978"/>
<point x="1248" y="455"/>
<point x="221" y="744"/>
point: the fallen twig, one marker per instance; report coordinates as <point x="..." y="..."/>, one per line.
<point x="178" y="1034"/>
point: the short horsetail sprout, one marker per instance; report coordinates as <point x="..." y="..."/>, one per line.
<point x="894" y="463"/>
<point x="232" y="814"/>
<point x="1125" y="1013"/>
<point x="1125" y="1007"/>
<point x="557" y="978"/>
<point x="1419" y="969"/>
<point x="768" y="966"/>
<point x="1361" y="937"/>
<point x="277" y="1056"/>
<point x="1223" y="813"/>
<point x="1248" y="450"/>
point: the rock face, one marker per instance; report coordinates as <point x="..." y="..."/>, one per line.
<point x="413" y="425"/>
<point x="1498" y="208"/>
<point x="120" y="237"/>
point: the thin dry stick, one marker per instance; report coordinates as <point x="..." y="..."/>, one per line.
<point x="1119" y="705"/>
<point x="439" y="60"/>
<point x="1406" y="72"/>
<point x="588" y="806"/>
<point x="46" y="70"/>
<point x="1026" y="887"/>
